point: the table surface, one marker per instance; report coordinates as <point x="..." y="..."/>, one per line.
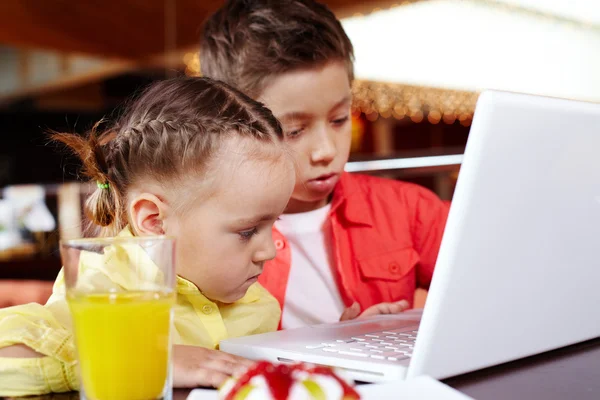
<point x="569" y="373"/>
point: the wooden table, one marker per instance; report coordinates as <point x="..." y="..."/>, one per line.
<point x="570" y="373"/>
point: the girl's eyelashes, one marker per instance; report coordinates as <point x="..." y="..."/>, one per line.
<point x="247" y="234"/>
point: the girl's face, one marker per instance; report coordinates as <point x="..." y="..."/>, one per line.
<point x="224" y="237"/>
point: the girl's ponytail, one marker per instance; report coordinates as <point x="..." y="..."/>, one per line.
<point x="104" y="206"/>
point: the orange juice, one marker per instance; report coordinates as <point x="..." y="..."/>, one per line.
<point x="123" y="343"/>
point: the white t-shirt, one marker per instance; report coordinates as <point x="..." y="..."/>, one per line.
<point x="312" y="296"/>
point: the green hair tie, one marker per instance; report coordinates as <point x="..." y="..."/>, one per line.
<point x="102" y="185"/>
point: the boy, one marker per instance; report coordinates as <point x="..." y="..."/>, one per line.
<point x="346" y="242"/>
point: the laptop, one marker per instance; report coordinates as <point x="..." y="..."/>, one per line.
<point x="518" y="272"/>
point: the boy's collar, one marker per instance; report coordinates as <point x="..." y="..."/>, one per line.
<point x="349" y="202"/>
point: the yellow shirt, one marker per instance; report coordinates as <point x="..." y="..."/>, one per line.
<point x="47" y="329"/>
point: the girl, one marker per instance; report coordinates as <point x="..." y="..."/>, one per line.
<point x="194" y="159"/>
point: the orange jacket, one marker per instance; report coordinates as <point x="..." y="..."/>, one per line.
<point x="385" y="240"/>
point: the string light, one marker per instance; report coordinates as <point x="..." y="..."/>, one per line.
<point x="386" y="114"/>
<point x="434" y="116"/>
<point x="192" y="64"/>
<point x="376" y="98"/>
<point x="449" y="118"/>
<point x="417" y="117"/>
<point x="372" y="116"/>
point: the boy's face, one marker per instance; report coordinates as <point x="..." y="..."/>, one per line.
<point x="313" y="106"/>
<point x="224" y="238"/>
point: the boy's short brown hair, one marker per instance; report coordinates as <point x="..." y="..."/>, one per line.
<point x="246" y="42"/>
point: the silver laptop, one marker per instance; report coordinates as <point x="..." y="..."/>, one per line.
<point x="518" y="271"/>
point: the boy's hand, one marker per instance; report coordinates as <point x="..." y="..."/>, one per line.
<point x="353" y="311"/>
<point x="196" y="366"/>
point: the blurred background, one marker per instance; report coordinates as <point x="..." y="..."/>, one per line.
<point x="420" y="66"/>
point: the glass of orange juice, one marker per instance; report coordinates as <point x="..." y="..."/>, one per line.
<point x="121" y="292"/>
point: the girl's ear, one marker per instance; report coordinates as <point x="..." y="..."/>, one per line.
<point x="148" y="214"/>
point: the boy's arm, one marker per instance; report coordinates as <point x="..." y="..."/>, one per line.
<point x="37" y="353"/>
<point x="430" y="217"/>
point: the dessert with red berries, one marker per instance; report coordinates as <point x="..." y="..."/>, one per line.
<point x="284" y="382"/>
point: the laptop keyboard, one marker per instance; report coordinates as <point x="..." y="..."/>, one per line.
<point x="393" y="345"/>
